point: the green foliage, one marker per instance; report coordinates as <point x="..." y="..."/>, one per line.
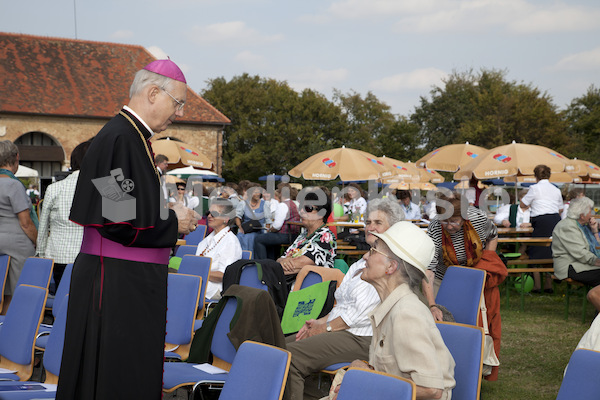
<point x="487" y="110"/>
<point x="273" y="127"/>
<point x="583" y="119"/>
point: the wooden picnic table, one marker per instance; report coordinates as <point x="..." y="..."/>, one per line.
<point x="513" y="231"/>
<point x="539" y="241"/>
<point x="344" y="224"/>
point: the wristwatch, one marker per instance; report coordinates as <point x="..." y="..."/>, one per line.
<point x="329" y="327"/>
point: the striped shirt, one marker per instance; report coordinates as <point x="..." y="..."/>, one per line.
<point x="58" y="237"/>
<point x="484" y="227"/>
<point x="355" y="299"/>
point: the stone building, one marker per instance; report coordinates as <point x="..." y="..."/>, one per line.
<point x="56" y="93"/>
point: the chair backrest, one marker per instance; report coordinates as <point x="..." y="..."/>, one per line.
<point x="311" y="274"/>
<point x="359" y="384"/>
<point x="199" y="266"/>
<point x="460" y="292"/>
<point x="183" y="295"/>
<point x="63" y="289"/>
<point x="221" y="347"/>
<point x="185" y="249"/>
<point x="4" y="262"/>
<point x="246" y="255"/>
<point x="36" y="272"/>
<point x="54" y="346"/>
<point x="193" y="238"/>
<point x="245" y="381"/>
<point x="465" y="343"/>
<point x="17" y="336"/>
<point x="249" y="277"/>
<point x="582" y="379"/>
<point x="341" y="264"/>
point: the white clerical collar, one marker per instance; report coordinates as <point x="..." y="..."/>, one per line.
<point x="139" y="119"/>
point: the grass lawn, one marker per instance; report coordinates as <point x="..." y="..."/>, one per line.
<point x="536" y="344"/>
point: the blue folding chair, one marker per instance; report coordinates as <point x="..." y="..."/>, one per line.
<point x="36" y="272"/>
<point x="465" y="343"/>
<point x="199" y="266"/>
<point x="460" y="292"/>
<point x="582" y="379"/>
<point x="247" y="382"/>
<point x="4" y="263"/>
<point x="185" y="249"/>
<point x="246" y="255"/>
<point x="193" y="238"/>
<point x="63" y="288"/>
<point x="51" y="363"/>
<point x="17" y="336"/>
<point x="359" y="384"/>
<point x="183" y="295"/>
<point x="177" y="374"/>
<point x="61" y="294"/>
<point x="249" y="277"/>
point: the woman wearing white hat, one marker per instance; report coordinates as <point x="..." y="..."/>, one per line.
<point x="406" y="341"/>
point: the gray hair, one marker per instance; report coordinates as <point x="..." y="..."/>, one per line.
<point x="8" y="153"/>
<point x="410" y="274"/>
<point x="578" y="206"/>
<point x="387" y="206"/>
<point x="145" y="78"/>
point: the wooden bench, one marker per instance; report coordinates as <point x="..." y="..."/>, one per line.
<point x="570" y="282"/>
<point x="524" y="270"/>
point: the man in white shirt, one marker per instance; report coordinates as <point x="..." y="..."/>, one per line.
<point x="345" y="333"/>
<point x="411" y="210"/>
<point x="162" y="162"/>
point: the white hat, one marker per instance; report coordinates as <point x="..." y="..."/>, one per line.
<point x="409" y="243"/>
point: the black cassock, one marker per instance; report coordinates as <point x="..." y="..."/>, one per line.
<point x="116" y="319"/>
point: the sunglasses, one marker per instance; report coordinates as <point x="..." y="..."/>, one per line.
<point x="310" y="209"/>
<point x="215" y="214"/>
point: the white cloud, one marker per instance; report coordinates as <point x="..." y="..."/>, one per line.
<point x="250" y="60"/>
<point x="584" y="61"/>
<point x="233" y="33"/>
<point x="417" y="79"/>
<point x="316" y="78"/>
<point x="430" y="16"/>
<point x="121" y="35"/>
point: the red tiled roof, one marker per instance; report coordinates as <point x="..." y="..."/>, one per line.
<point x="54" y="76"/>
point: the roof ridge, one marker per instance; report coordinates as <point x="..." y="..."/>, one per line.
<point x="64" y="39"/>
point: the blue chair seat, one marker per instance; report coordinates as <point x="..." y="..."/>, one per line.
<point x="177" y="374"/>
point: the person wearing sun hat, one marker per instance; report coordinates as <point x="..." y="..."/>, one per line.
<point x="116" y="317"/>
<point x="406" y="342"/>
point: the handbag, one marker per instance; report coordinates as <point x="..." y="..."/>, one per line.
<point x="312" y="302"/>
<point x="253" y="224"/>
<point x="490" y="359"/>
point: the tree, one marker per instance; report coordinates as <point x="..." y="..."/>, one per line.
<point x="583" y="120"/>
<point x="487" y="110"/>
<point x="273" y="127"/>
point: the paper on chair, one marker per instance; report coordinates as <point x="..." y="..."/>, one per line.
<point x="7" y="371"/>
<point x="209" y="368"/>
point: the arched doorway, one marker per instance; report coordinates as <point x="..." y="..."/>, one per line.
<point x="42" y="152"/>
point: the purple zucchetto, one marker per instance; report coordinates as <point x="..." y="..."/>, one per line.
<point x="166" y="68"/>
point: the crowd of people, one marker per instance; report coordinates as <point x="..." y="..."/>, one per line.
<point x="385" y="311"/>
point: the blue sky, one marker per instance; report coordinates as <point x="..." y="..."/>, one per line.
<point x="397" y="49"/>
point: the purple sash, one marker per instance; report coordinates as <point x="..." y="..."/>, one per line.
<point x="96" y="245"/>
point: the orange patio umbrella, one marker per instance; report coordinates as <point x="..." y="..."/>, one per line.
<point x="345" y="163"/>
<point x="588" y="171"/>
<point x="512" y="160"/>
<point x="401" y="171"/>
<point x="450" y="158"/>
<point x="181" y="154"/>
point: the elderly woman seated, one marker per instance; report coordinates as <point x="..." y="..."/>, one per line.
<point x="575" y="247"/>
<point x="221" y="245"/>
<point x="406" y="342"/>
<point x="467" y="239"/>
<point x="315" y="245"/>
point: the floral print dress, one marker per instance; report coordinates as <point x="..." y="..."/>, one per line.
<point x="319" y="247"/>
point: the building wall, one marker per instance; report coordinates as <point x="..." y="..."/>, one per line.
<point x="70" y="131"/>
